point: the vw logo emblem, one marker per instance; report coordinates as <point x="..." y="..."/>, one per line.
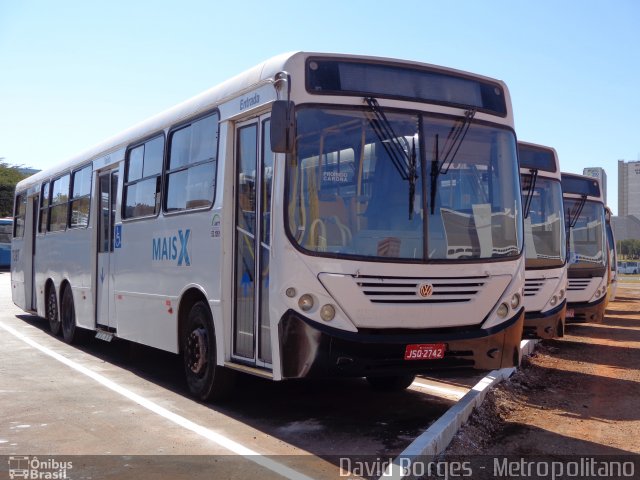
<point x="425" y="290"/>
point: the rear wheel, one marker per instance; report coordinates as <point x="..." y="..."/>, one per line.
<point x="51" y="310"/>
<point x="393" y="383"/>
<point x="71" y="333"/>
<point x="205" y="379"/>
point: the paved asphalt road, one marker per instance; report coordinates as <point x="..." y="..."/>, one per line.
<point x="122" y="410"/>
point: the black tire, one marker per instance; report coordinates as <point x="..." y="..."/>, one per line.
<point x="394" y="383"/>
<point x="560" y="329"/>
<point x="71" y="333"/>
<point x="205" y="379"/>
<point x="51" y="310"/>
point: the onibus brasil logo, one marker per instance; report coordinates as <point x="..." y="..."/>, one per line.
<point x="35" y="468"/>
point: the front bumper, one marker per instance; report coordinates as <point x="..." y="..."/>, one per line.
<point x="587" y="312"/>
<point x="549" y="324"/>
<point x="310" y="349"/>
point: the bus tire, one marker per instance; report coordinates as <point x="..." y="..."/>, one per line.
<point x="51" y="310"/>
<point x="205" y="379"/>
<point x="72" y="334"/>
<point x="393" y="383"/>
<point x="560" y="329"/>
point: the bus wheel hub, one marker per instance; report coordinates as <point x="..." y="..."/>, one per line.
<point x="197" y="350"/>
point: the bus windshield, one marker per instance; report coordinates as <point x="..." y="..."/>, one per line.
<point x="406" y="186"/>
<point x="587" y="238"/>
<point x="545" y="244"/>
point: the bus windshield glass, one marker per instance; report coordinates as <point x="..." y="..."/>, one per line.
<point x="587" y="238"/>
<point x="545" y="244"/>
<point x="402" y="186"/>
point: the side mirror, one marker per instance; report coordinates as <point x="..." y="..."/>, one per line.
<point x="282" y="126"/>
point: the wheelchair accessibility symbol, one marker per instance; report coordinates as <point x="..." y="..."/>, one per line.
<point x="117" y="236"/>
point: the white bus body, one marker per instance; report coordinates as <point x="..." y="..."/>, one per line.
<point x="588" y="253"/>
<point x="613" y="257"/>
<point x="545" y="242"/>
<point x="189" y="233"/>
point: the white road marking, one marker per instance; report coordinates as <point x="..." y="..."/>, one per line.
<point x="163" y="412"/>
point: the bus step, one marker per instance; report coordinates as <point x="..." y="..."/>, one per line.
<point x="260" y="372"/>
<point x="102" y="335"/>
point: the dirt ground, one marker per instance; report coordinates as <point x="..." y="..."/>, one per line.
<point x="577" y="395"/>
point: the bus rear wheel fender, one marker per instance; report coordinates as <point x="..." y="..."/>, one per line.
<point x="51" y="308"/>
<point x="206" y="380"/>
<point x="71" y="333"/>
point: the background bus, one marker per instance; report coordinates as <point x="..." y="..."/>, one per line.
<point x="612" y="258"/>
<point x="545" y="242"/>
<point x="588" y="253"/>
<point x="309" y="217"/>
<point x="628" y="268"/>
<point x="6" y="230"/>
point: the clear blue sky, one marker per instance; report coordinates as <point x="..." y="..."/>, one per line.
<point x="73" y="73"/>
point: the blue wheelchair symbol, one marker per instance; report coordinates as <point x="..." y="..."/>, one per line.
<point x="117" y="236"/>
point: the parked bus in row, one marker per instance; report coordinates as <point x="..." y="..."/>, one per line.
<point x="588" y="253"/>
<point x="545" y="242"/>
<point x="6" y="230"/>
<point x="316" y="215"/>
<point x="628" y="268"/>
<point x="613" y="256"/>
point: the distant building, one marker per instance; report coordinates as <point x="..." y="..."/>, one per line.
<point x="629" y="188"/>
<point x="626" y="228"/>
<point x="600" y="174"/>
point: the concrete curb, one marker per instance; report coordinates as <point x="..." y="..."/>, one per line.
<point x="438" y="436"/>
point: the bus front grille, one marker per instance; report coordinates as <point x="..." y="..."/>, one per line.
<point x="411" y="290"/>
<point x="578" y="284"/>
<point x="532" y="287"/>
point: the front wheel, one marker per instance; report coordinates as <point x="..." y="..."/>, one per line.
<point x="393" y="383"/>
<point x="205" y="379"/>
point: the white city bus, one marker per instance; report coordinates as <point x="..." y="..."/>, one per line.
<point x="545" y="242"/>
<point x="588" y="254"/>
<point x="317" y="215"/>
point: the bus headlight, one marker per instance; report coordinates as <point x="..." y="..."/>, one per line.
<point x="503" y="310"/>
<point x="291" y="292"/>
<point x="553" y="301"/>
<point x="561" y="294"/>
<point x="305" y="302"/>
<point x="327" y="312"/>
<point x="515" y="300"/>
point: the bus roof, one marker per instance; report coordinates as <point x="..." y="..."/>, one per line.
<point x="260" y="74"/>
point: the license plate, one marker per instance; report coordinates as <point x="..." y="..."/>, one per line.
<point x="570" y="313"/>
<point x="424" y="351"/>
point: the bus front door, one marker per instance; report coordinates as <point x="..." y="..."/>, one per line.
<point x="107" y="194"/>
<point x="252" y="243"/>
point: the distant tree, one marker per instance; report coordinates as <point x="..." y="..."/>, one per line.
<point x="9" y="176"/>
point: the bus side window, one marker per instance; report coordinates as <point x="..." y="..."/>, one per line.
<point x="80" y="197"/>
<point x="142" y="179"/>
<point x="191" y="166"/>
<point x="59" y="203"/>
<point x="44" y="208"/>
<point x="19" y="215"/>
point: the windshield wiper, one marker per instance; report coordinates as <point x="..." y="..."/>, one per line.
<point x="401" y="154"/>
<point x="528" y="200"/>
<point x="454" y="141"/>
<point x="574" y="219"/>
